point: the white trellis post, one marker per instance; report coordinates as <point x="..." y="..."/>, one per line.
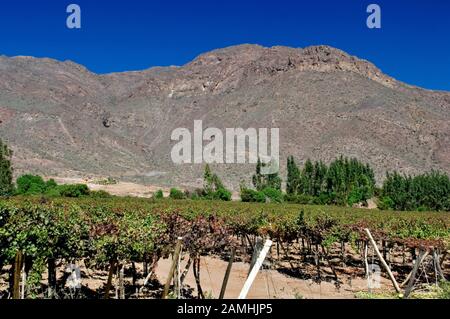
<point x="251" y="277"/>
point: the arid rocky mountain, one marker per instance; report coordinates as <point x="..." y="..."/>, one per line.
<point x="61" y="119"/>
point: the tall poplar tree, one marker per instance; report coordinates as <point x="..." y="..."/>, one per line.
<point x="6" y="170"/>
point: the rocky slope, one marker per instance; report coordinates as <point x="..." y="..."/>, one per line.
<point x="62" y="119"/>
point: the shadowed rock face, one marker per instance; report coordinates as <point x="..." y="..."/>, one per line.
<point x="61" y="119"/>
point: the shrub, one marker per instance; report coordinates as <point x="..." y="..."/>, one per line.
<point x="194" y="196"/>
<point x="213" y="187"/>
<point x="6" y="171"/>
<point x="176" y="194"/>
<point x="188" y="194"/>
<point x="107" y="181"/>
<point x="222" y="194"/>
<point x="385" y="203"/>
<point x="73" y="190"/>
<point x="250" y="195"/>
<point x="262" y="180"/>
<point x="30" y="185"/>
<point x="158" y="194"/>
<point x="273" y="194"/>
<point x="325" y="198"/>
<point x="344" y="181"/>
<point x="35" y="185"/>
<point x="50" y="184"/>
<point x="355" y="197"/>
<point x="429" y="191"/>
<point x="300" y="199"/>
<point x="200" y="192"/>
<point x="54" y="192"/>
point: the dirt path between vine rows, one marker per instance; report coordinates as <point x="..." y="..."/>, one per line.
<point x="269" y="284"/>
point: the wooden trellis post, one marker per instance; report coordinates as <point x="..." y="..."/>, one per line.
<point x="227" y="273"/>
<point x="172" y="268"/>
<point x="112" y="269"/>
<point x="383" y="262"/>
<point x="422" y="257"/>
<point x="413" y="274"/>
<point x="18" y="262"/>
<point x="437" y="264"/>
<point x="256" y="251"/>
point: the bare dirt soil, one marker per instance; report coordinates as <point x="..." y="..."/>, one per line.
<point x="269" y="283"/>
<point x="118" y="189"/>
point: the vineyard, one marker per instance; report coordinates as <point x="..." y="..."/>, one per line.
<point x="38" y="236"/>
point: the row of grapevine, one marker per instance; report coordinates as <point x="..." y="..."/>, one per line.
<point x="110" y="233"/>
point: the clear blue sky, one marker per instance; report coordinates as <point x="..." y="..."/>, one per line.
<point x="117" y="35"/>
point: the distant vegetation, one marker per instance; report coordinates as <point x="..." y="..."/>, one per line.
<point x="268" y="187"/>
<point x="175" y="193"/>
<point x="106" y="181"/>
<point x="6" y="171"/>
<point x="344" y="182"/>
<point x="158" y="194"/>
<point x="429" y="191"/>
<point x="347" y="181"/>
<point x="213" y="189"/>
<point x="117" y="232"/>
<point x="35" y="185"/>
<point x="77" y="224"/>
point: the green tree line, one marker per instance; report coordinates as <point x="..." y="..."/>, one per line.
<point x="429" y="191"/>
<point x="345" y="181"/>
<point x="6" y="171"/>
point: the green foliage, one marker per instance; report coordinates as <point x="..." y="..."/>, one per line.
<point x="50" y="184"/>
<point x="300" y="199"/>
<point x="376" y="295"/>
<point x="212" y="182"/>
<point x="213" y="187"/>
<point x="385" y="203"/>
<point x="100" y="194"/>
<point x="344" y="182"/>
<point x="35" y="185"/>
<point x="293" y="177"/>
<point x="429" y="191"/>
<point x="444" y="290"/>
<point x="208" y="180"/>
<point x="268" y="187"/>
<point x="158" y="194"/>
<point x="222" y="194"/>
<point x="54" y="192"/>
<point x="199" y="193"/>
<point x="102" y="230"/>
<point x="31" y="185"/>
<point x="274" y="195"/>
<point x="176" y="194"/>
<point x="261" y="181"/>
<point x="431" y="291"/>
<point x="250" y="195"/>
<point x="6" y="170"/>
<point x="106" y="181"/>
<point x="73" y="190"/>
